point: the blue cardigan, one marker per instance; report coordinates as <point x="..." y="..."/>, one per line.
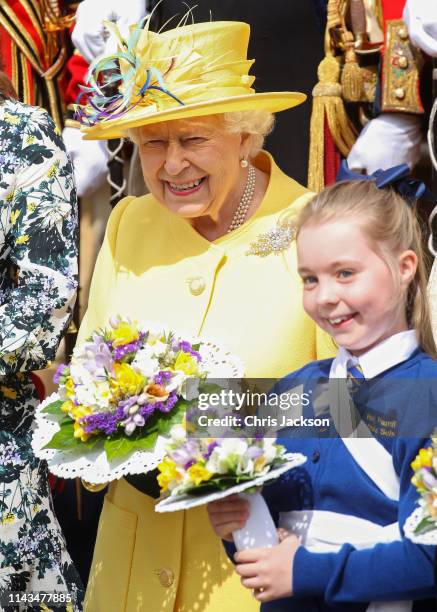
<point x="331" y="480"/>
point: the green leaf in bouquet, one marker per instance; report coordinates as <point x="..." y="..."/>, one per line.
<point x="65" y="419"/>
<point x="166" y="420"/>
<point x="425" y="525"/>
<point x="117" y="447"/>
<point x="217" y="483"/>
<point x="64" y="438"/>
<point x="53" y="408"/>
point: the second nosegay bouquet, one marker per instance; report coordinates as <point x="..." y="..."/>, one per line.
<point x="197" y="471"/>
<point x="421" y="527"/>
<point x="124" y="388"/>
<point x="202" y="465"/>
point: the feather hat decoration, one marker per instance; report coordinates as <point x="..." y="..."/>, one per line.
<point x="190" y="71"/>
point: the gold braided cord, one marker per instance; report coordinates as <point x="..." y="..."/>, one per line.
<point x="316" y="163"/>
<point x="342" y="130"/>
<point x="327" y="103"/>
<point x="333" y="14"/>
<point x="379" y="13"/>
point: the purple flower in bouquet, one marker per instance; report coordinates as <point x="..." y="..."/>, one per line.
<point x="124" y="405"/>
<point x="168" y="404"/>
<point x="187" y="348"/>
<point x="105" y="422"/>
<point x="126" y="349"/>
<point x="147" y="410"/>
<point x="132" y="422"/>
<point x="162" y="377"/>
<point x="186" y="453"/>
<point x="59" y="373"/>
<point x="97" y="359"/>
<point x="253" y="452"/>
<point x="211" y="447"/>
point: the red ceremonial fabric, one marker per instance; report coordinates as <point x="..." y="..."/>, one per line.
<point x="39" y="386"/>
<point x="392" y="9"/>
<point x="331" y="158"/>
<point x="77" y="68"/>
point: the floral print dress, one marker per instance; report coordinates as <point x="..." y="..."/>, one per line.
<point x="38" y="231"/>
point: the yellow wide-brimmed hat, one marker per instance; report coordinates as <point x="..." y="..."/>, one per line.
<point x="191" y="71"/>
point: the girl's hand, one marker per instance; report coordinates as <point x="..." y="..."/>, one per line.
<point x="268" y="571"/>
<point x="228" y="515"/>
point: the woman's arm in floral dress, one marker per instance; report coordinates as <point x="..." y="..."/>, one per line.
<point x="38" y="221"/>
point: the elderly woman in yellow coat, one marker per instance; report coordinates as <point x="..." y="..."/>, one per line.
<point x="209" y="252"/>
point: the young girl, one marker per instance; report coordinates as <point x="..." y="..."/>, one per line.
<point x="362" y="266"/>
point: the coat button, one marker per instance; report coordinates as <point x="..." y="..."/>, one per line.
<point x="403" y="33"/>
<point x="166" y="577"/>
<point x="315" y="457"/>
<point x="196" y="285"/>
<point x="400" y="93"/>
<point x="403" y="61"/>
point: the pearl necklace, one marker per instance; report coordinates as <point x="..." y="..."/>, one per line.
<point x="242" y="208"/>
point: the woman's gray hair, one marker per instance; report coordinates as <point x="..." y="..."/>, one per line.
<point x="256" y="123"/>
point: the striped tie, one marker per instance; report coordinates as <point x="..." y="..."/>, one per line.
<point x="355" y="376"/>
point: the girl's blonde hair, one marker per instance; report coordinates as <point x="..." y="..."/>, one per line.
<point x="393" y="227"/>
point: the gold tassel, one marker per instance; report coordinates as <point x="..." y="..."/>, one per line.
<point x="351" y="76"/>
<point x="327" y="102"/>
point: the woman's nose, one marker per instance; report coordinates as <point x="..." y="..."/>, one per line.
<point x="175" y="160"/>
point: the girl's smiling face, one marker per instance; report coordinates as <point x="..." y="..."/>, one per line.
<point x="349" y="288"/>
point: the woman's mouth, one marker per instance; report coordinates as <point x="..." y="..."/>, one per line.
<point x="342" y="321"/>
<point x="184" y="189"/>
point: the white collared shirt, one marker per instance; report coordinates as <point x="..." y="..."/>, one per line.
<point x="385" y="355"/>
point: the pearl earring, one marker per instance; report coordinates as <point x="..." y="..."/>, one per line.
<point x="244" y="163"/>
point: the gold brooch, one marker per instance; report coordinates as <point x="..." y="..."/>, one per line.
<point x="274" y="241"/>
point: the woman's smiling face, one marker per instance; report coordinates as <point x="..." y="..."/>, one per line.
<point x="349" y="289"/>
<point x="192" y="166"/>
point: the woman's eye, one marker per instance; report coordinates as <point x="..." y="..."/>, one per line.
<point x="194" y="140"/>
<point x="309" y="280"/>
<point x="156" y="142"/>
<point x="344" y="273"/>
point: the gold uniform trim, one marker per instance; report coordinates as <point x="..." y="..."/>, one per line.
<point x="25" y="80"/>
<point x="14" y="66"/>
<point x="400" y="73"/>
<point x="53" y="100"/>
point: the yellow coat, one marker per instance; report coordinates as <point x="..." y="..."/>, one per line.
<point x="153" y="266"/>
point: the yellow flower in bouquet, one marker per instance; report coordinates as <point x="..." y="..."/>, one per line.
<point x="69" y="387"/>
<point x="198" y="473"/>
<point x="79" y="432"/>
<point x="127" y="381"/>
<point x="423" y="459"/>
<point x="168" y="473"/>
<point x="67" y="406"/>
<point x="187" y="363"/>
<point x="124" y="333"/>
